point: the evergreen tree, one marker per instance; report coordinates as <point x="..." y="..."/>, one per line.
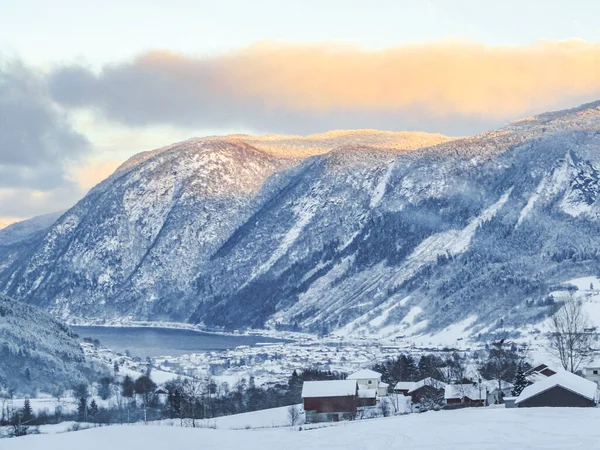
<point x="521" y="381"/>
<point x="104" y="390"/>
<point x="82" y="409"/>
<point x="27" y="374"/>
<point x="93" y="410"/>
<point x="128" y="387"/>
<point x="27" y="411"/>
<point x="82" y="393"/>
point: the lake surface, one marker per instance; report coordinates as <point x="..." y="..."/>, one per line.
<point x="153" y="342"/>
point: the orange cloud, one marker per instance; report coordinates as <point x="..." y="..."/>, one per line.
<point x="441" y="78"/>
<point x="93" y="171"/>
<point x="458" y="87"/>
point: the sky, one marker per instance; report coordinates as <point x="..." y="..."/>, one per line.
<point x="84" y="84"/>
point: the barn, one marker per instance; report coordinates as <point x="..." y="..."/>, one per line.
<point x="465" y="394"/>
<point x="417" y="390"/>
<point x="330" y="400"/>
<point x="562" y="389"/>
<point x="367" y="397"/>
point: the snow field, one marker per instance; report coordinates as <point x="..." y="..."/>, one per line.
<point x="475" y="428"/>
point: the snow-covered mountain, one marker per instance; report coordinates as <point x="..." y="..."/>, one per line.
<point x="6" y="222"/>
<point x="37" y="352"/>
<point x="17" y="236"/>
<point x="358" y="232"/>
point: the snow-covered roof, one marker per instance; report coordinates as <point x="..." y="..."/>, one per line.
<point x="594" y="364"/>
<point x="411" y="386"/>
<point x="382" y="384"/>
<point x="492" y="385"/>
<point x="367" y="393"/>
<point x="564" y="379"/>
<point x="404" y="385"/>
<point x="334" y="388"/>
<point x="474" y="392"/>
<point x="364" y="374"/>
<point x="428" y="382"/>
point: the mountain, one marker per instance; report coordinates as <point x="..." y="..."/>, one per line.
<point x="6" y="222"/>
<point x="351" y="233"/>
<point x="17" y="236"/>
<point x="37" y="351"/>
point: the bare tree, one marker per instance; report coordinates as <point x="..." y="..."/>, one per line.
<point x="568" y="341"/>
<point x="193" y="389"/>
<point x="293" y="415"/>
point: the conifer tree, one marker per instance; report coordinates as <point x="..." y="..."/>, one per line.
<point x="521" y="381"/>
<point x="93" y="410"/>
<point x="27" y="411"/>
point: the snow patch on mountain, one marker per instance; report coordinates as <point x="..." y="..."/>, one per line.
<point x="454" y="242"/>
<point x="381" y="186"/>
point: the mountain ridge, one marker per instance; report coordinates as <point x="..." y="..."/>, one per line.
<point x="358" y="240"/>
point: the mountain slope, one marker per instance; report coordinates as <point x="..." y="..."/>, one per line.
<point x="17" y="237"/>
<point x="37" y="352"/>
<point x="394" y="237"/>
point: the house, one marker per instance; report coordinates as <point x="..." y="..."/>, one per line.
<point x="382" y="389"/>
<point x="497" y="391"/>
<point x="402" y="387"/>
<point x="330" y="400"/>
<point x="592" y="372"/>
<point x="465" y="394"/>
<point x="427" y="387"/>
<point x="161" y="396"/>
<point x="561" y="389"/>
<point x="370" y="379"/>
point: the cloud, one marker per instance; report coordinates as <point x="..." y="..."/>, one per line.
<point x="443" y="86"/>
<point x="24" y="203"/>
<point x="37" y="144"/>
<point x="89" y="174"/>
<point x="36" y="139"/>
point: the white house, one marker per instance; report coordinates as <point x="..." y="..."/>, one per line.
<point x="592" y="371"/>
<point x="382" y="389"/>
<point x="494" y="390"/>
<point x="369" y="379"/>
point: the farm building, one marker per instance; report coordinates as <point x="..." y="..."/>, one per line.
<point x="465" y="394"/>
<point x="367" y="397"/>
<point x="330" y="400"/>
<point x="427" y="387"/>
<point x="562" y="389"/>
<point x="402" y="387"/>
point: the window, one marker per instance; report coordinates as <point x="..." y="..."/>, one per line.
<point x="595" y="372"/>
<point x="370" y="381"/>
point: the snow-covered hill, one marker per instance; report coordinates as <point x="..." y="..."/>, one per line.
<point x="37" y="352"/>
<point x="471" y="429"/>
<point x="386" y="234"/>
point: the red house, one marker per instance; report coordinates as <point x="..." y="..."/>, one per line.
<point x="330" y="400"/>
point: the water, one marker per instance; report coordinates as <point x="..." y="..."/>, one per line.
<point x="153" y="342"/>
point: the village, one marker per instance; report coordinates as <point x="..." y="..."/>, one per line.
<point x="351" y="398"/>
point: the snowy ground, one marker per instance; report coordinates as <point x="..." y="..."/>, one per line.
<point x="476" y="428"/>
<point x="266" y="418"/>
